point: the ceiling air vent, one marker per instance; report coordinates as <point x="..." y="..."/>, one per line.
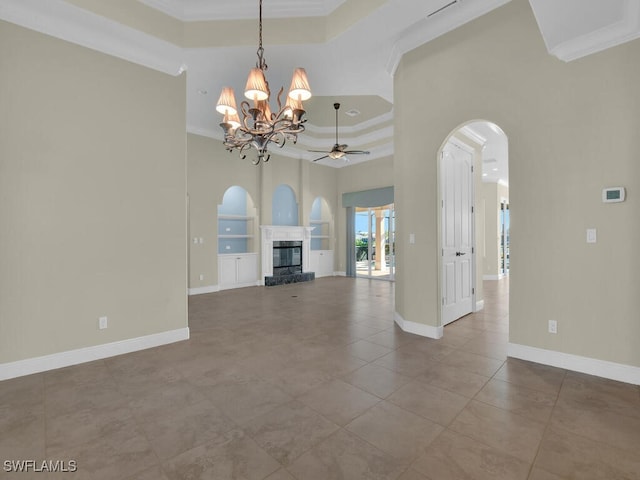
<point x="352" y="113"/>
<point x="442" y="8"/>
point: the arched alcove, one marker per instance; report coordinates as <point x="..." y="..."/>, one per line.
<point x="321" y="219"/>
<point x="284" y="207"/>
<point x="236" y="221"/>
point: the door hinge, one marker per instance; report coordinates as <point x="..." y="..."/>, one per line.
<point x="442" y="300"/>
<point x="471" y="168"/>
<point x="473" y="291"/>
<point x="473" y="250"/>
<point x="472" y="210"/>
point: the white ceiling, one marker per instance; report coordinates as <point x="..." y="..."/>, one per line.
<point x="355" y="63"/>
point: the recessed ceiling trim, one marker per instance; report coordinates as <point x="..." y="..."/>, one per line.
<point x="241" y="9"/>
<point x="353" y="142"/>
<point x="67" y="22"/>
<point x="354" y="129"/>
<point x="626" y="28"/>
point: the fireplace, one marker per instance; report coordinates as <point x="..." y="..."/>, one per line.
<point x="286" y="251"/>
<point x="287" y="257"/>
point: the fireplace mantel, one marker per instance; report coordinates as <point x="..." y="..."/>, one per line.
<point x="271" y="233"/>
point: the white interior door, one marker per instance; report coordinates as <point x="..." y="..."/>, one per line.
<point x="456" y="170"/>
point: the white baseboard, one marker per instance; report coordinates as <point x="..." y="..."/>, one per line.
<point x="492" y="277"/>
<point x="340" y="274"/>
<point x="206" y="289"/>
<point x="257" y="283"/>
<point x="577" y="363"/>
<point x="418" y="328"/>
<point x="89" y="354"/>
<point x="479" y="305"/>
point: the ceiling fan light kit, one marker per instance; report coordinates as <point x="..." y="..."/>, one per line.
<point x="259" y="126"/>
<point x="339" y="150"/>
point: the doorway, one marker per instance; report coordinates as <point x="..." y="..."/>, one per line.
<point x="457" y="230"/>
<point x="375" y="242"/>
<point x="504" y="237"/>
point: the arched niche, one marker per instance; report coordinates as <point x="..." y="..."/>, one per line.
<point x="236" y="221"/>
<point x="284" y="207"/>
<point x="320" y="218"/>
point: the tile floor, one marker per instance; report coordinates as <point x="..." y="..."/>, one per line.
<point x="313" y="381"/>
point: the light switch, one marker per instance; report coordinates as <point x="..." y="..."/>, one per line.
<point x="412" y="238"/>
<point x="591" y="235"/>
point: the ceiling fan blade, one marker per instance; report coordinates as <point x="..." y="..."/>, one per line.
<point x="357" y="152"/>
<point x="320" y="158"/>
<point x="317" y="151"/>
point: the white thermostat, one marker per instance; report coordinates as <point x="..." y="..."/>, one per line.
<point x="613" y="194"/>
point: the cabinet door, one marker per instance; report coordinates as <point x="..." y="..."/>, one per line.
<point x="326" y="262"/>
<point x="247" y="268"/>
<point x="227" y="272"/>
<point x="314" y="262"/>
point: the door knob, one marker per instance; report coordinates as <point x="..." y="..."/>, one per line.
<point x="459" y="254"/>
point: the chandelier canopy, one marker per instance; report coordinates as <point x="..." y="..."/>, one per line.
<point x="259" y="125"/>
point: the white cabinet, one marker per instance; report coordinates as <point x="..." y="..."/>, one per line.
<point x="237" y="270"/>
<point x="321" y="262"/>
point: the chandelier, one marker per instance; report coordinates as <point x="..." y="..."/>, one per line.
<point x="259" y="125"/>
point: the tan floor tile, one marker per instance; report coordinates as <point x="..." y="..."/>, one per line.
<point x="236" y="458"/>
<point x="501" y="429"/>
<point x="367" y="351"/>
<point x="412" y="475"/>
<point x="472" y="363"/>
<point x="491" y="349"/>
<point x="453" y="379"/>
<point x="153" y="473"/>
<point x="532" y="375"/>
<point x="244" y="400"/>
<point x="574" y="457"/>
<point x="378" y="380"/>
<point x="587" y="418"/>
<point x="436" y="404"/>
<point x="406" y="362"/>
<point x="186" y="428"/>
<point x="289" y="431"/>
<point x="529" y="403"/>
<point x="119" y="452"/>
<point x="280" y="475"/>
<point x="456" y="457"/>
<point x="622" y="398"/>
<point x="395" y="431"/>
<point x="345" y="456"/>
<point x="339" y="401"/>
<point x="539" y="474"/>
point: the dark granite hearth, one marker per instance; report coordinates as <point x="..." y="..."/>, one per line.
<point x="286" y="279"/>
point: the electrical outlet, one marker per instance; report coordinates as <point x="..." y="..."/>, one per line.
<point x="201" y="277"/>
<point x="103" y="323"/>
<point x="553" y="326"/>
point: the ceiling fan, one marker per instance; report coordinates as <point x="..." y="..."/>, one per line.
<point x="338" y="151"/>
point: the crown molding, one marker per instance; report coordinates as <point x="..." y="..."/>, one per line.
<point x="429" y="28"/>
<point x="372" y="122"/>
<point x="73" y="24"/>
<point x="472" y="135"/>
<point x="627" y="29"/>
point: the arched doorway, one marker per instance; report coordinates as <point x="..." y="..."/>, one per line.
<point x="474" y="223"/>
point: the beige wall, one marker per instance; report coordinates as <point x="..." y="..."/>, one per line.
<point x="492" y="196"/>
<point x="93" y="188"/>
<point x="572" y="130"/>
<point x="212" y="170"/>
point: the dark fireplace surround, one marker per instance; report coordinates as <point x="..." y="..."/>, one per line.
<point x="287" y="257"/>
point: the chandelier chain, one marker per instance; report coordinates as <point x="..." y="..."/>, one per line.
<point x="261" y="64"/>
